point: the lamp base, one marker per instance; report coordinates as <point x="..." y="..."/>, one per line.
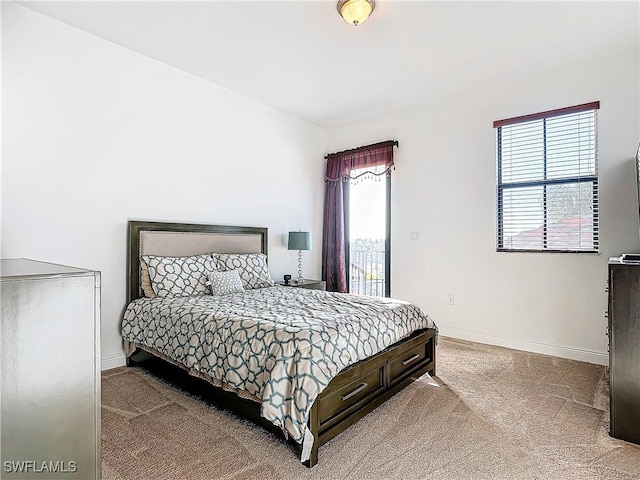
<point x="300" y="277"/>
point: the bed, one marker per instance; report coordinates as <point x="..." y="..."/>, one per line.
<point x="310" y="362"/>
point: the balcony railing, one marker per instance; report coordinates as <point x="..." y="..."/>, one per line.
<point x="366" y="272"/>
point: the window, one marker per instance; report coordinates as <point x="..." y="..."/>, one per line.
<point x="548" y="181"/>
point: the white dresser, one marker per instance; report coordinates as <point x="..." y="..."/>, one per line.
<point x="50" y="371"/>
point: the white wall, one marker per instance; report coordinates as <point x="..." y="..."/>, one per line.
<point x="444" y="187"/>
<point x="94" y="134"/>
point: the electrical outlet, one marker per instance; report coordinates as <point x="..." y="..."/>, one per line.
<point x="451" y="299"/>
<point x="414" y="236"/>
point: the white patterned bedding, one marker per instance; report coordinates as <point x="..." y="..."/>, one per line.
<point x="281" y="345"/>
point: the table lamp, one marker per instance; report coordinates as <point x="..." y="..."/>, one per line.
<point x="299" y="241"/>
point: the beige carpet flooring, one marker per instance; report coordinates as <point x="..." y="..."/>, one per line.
<point x="496" y="414"/>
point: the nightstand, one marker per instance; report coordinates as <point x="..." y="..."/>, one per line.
<point x="312" y="284"/>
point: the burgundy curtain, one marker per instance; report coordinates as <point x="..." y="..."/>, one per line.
<point x="333" y="238"/>
<point x="340" y="169"/>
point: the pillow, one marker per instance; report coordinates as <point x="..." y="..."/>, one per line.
<point x="223" y="283"/>
<point x="252" y="268"/>
<point x="145" y="280"/>
<point x="179" y="276"/>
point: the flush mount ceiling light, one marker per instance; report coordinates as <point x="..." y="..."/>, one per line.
<point x="356" y="12"/>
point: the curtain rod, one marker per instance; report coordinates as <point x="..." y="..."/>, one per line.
<point x="395" y="144"/>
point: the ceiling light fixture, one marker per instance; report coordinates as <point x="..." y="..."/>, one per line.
<point x="356" y="12"/>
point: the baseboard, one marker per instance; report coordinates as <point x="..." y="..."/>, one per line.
<point x="599" y="358"/>
<point x="114" y="360"/>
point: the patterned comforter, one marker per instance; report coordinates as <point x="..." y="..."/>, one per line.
<point x="282" y="345"/>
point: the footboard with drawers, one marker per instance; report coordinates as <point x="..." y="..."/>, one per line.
<point x="361" y="388"/>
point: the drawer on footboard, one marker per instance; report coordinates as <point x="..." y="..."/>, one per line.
<point x="409" y="358"/>
<point x="341" y="400"/>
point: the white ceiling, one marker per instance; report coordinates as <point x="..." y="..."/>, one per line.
<point x="302" y="58"/>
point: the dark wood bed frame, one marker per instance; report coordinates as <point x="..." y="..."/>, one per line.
<point x="355" y="391"/>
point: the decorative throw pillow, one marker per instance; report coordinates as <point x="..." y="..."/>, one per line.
<point x="223" y="283"/>
<point x="252" y="268"/>
<point x="145" y="280"/>
<point x="179" y="276"/>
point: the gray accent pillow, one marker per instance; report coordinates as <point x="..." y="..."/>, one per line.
<point x="223" y="283"/>
<point x="252" y="268"/>
<point x="179" y="276"/>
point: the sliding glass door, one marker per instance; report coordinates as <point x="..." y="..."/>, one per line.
<point x="368" y="229"/>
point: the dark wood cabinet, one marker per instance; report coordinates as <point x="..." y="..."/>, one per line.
<point x="624" y="349"/>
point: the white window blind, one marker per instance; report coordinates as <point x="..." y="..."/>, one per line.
<point x="547" y="181"/>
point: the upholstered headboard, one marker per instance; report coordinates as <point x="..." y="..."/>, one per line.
<point x="183" y="239"/>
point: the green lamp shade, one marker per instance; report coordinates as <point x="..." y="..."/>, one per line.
<point x="299" y="241"/>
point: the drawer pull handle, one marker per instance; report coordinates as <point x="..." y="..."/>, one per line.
<point x="354" y="392"/>
<point x="411" y="359"/>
